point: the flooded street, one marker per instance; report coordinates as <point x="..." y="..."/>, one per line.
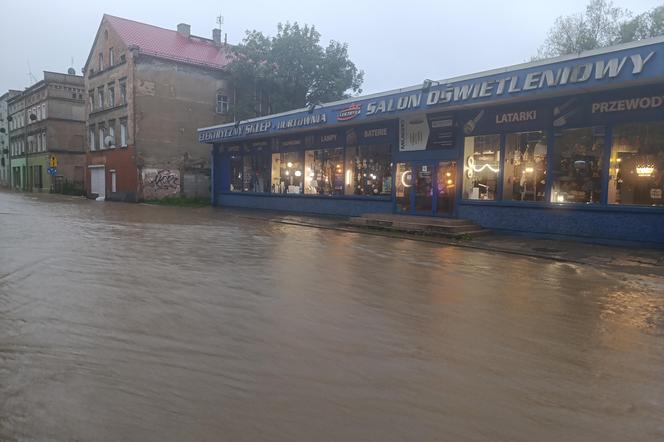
<point x="138" y="322"/>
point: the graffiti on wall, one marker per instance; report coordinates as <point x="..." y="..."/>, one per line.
<point x="159" y="183"/>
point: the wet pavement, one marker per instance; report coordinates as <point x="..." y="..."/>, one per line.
<point x="139" y="322"/>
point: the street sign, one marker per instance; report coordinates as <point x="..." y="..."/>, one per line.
<point x="52" y="171"/>
<point x="53" y="161"/>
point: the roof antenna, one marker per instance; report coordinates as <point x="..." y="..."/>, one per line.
<point x="220" y="21"/>
<point x="32" y="78"/>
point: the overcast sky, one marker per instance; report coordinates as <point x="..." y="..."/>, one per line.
<point x="396" y="43"/>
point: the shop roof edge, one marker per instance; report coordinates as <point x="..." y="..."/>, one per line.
<point x="526" y="65"/>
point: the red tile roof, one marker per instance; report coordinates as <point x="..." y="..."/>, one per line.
<point x="169" y="44"/>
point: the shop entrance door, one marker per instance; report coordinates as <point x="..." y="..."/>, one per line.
<point x="425" y="188"/>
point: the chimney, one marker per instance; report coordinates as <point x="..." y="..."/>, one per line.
<point x="184" y="29"/>
<point x="216" y="36"/>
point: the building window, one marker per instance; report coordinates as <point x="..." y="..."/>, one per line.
<point x="368" y="170"/>
<point x="222" y="103"/>
<point x="481" y="167"/>
<point x="123" y="133"/>
<point x="111" y="95"/>
<point x="44" y="141"/>
<point x="100" y="97"/>
<point x="524" y="176"/>
<point x="324" y="172"/>
<point x="91" y="134"/>
<point x="577" y="165"/>
<point x="636" y="173"/>
<point x="111" y="57"/>
<point x="123" y="91"/>
<point x="43" y="106"/>
<point x="101" y="61"/>
<point x="102" y="134"/>
<point x="287" y="172"/>
<point x="91" y="95"/>
<point x="111" y="132"/>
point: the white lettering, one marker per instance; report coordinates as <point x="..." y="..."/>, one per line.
<point x="640" y="63"/>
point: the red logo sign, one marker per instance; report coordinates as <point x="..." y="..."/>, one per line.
<point x="348" y="113"/>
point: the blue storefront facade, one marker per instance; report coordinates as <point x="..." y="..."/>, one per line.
<point x="572" y="146"/>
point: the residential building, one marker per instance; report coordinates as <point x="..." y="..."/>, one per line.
<point x="566" y="147"/>
<point x="147" y="88"/>
<point x="47" y="123"/>
<point x="5" y="169"/>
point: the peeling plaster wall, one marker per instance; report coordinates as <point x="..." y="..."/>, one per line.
<point x="171" y="102"/>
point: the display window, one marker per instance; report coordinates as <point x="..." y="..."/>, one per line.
<point x="288" y="172"/>
<point x="237" y="167"/>
<point x="256" y="172"/>
<point x="524" y="172"/>
<point x="636" y="174"/>
<point x="324" y="172"/>
<point x="481" y="167"/>
<point x="577" y="166"/>
<point x="369" y="170"/>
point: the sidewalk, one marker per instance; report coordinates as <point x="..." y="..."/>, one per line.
<point x="622" y="258"/>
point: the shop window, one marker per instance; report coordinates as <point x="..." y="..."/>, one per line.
<point x="369" y="170"/>
<point x="577" y="166"/>
<point x="256" y="173"/>
<point x="288" y="172"/>
<point x="481" y="167"/>
<point x="237" y="166"/>
<point x="324" y="172"/>
<point x="636" y="174"/>
<point x="524" y="174"/>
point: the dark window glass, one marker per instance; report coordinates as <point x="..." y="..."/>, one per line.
<point x="369" y="170"/>
<point x="237" y="166"/>
<point x="256" y="172"/>
<point x="577" y="166"/>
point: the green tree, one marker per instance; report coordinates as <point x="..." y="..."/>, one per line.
<point x="645" y="25"/>
<point x="599" y="26"/>
<point x="290" y="70"/>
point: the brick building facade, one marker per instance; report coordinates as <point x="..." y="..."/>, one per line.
<point x="147" y="90"/>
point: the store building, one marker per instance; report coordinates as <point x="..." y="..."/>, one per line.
<point x="148" y="88"/>
<point x="569" y="146"/>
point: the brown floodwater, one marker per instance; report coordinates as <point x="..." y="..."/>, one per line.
<point x="137" y="322"/>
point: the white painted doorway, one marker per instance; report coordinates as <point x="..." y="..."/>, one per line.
<point x="98" y="181"/>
